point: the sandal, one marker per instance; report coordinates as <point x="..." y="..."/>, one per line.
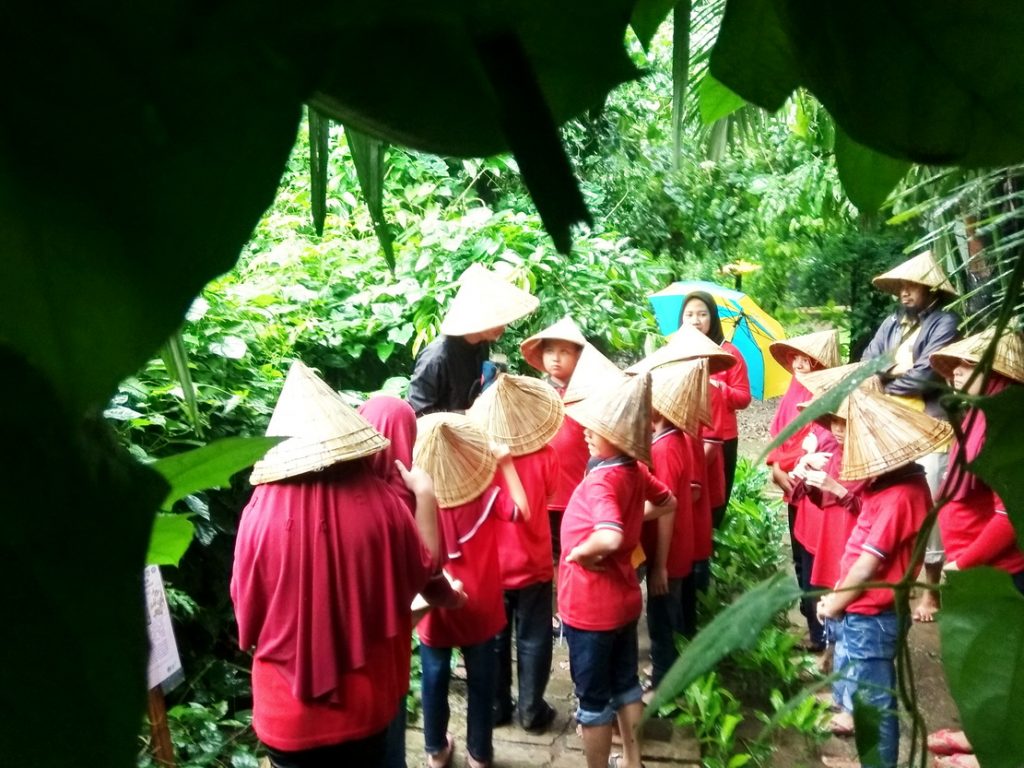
<point x="840" y="724"/>
<point x="957" y="761"/>
<point x="448" y="752"/>
<point x="949" y="742"/>
<point x="615" y="760"/>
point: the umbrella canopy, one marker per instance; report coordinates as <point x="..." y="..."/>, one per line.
<point x="744" y="323"/>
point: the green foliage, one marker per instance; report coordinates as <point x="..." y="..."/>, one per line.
<point x="943" y="86"/>
<point x="982" y="629"/>
<point x="212" y="728"/>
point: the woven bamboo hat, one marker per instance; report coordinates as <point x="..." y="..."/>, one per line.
<point x="820" y="382"/>
<point x="1008" y="360"/>
<point x="485" y="300"/>
<point x="593" y="371"/>
<point x="882" y="434"/>
<point x="564" y="330"/>
<point x="822" y="347"/>
<point x="322" y="430"/>
<point x="686" y="344"/>
<point x="678" y="392"/>
<point x="455" y="452"/>
<point x="621" y="413"/>
<point x="519" y="411"/>
<point x="922" y="269"/>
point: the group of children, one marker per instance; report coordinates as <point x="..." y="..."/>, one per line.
<point x="572" y="482"/>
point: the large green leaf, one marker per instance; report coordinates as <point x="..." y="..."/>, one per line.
<point x="72" y="556"/>
<point x="319" y="152"/>
<point x="648" y="16"/>
<point x="210" y="466"/>
<point x="109" y="231"/>
<point x="753" y="54"/>
<point x="734" y="628"/>
<point x="867" y="176"/>
<point x="716" y="100"/>
<point x="170" y="539"/>
<point x="1000" y="461"/>
<point x="921" y="81"/>
<point x="981" y="625"/>
<point x="681" y="22"/>
<point x="176" y="359"/>
<point x="368" y="157"/>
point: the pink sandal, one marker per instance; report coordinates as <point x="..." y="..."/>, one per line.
<point x="949" y="742"/>
<point x="957" y="761"/>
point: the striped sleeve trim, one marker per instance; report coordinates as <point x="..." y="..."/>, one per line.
<point x="875" y="551"/>
<point x="608" y="526"/>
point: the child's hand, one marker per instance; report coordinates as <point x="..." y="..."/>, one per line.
<point x="590" y="562"/>
<point x="415" y="479"/>
<point x="461" y="598"/>
<point x="827" y="608"/>
<point x="501" y="452"/>
<point x="657" y="581"/>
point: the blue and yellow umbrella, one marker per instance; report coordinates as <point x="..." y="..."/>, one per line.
<point x="744" y="323"/>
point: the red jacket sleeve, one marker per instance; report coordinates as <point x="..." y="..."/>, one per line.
<point x="995" y="538"/>
<point x="736" y="382"/>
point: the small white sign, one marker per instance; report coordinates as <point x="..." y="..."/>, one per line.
<point x="163" y="650"/>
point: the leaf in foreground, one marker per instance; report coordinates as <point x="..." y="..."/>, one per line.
<point x="210" y="466"/>
<point x="981" y="626"/>
<point x="735" y="628"/>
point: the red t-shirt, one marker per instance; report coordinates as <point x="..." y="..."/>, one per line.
<point x="714" y="463"/>
<point x="672" y="465"/>
<point x="977" y="531"/>
<point x="611" y="496"/>
<point x="807" y="527"/>
<point x="483" y="615"/>
<point x="702" y="527"/>
<point x="368" y="700"/>
<point x="524" y="547"/>
<point x="573" y="455"/>
<point x="891" y="513"/>
<point x="732" y="394"/>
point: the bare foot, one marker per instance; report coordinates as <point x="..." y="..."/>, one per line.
<point x="840" y="724"/>
<point x="926" y="607"/>
<point x="442" y="759"/>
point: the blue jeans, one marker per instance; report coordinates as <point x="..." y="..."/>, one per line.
<point x="665" y="620"/>
<point x="529" y="611"/>
<point x="603" y="666"/>
<point x="866" y="648"/>
<point x="480" y="678"/>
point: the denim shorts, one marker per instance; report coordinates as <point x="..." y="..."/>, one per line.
<point x="603" y="664"/>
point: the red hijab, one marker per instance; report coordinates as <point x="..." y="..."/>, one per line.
<point x="960" y="481"/>
<point x="395" y="419"/>
<point x="326" y="565"/>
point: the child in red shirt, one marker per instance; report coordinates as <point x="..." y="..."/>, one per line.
<point x="599" y="596"/>
<point x="801" y="355"/>
<point x="524" y="413"/>
<point x="457" y="454"/>
<point x="555" y="351"/>
<point x="677" y="393"/>
<point x="881" y="437"/>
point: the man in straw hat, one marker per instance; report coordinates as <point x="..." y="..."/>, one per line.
<point x="327" y="561"/>
<point x="883" y="441"/>
<point x="919" y="327"/>
<point x="447" y="376"/>
<point x="599" y="597"/>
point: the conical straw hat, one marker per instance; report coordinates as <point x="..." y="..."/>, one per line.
<point x="620" y="413"/>
<point x="564" y="330"/>
<point x="820" y="382"/>
<point x="593" y="371"/>
<point x="922" y="269"/>
<point x="322" y="429"/>
<point x="686" y="344"/>
<point x="485" y="300"/>
<point x="677" y="392"/>
<point x="822" y="347"/>
<point x="520" y="412"/>
<point x="455" y="452"/>
<point x="1008" y="360"/>
<point x="882" y="434"/>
